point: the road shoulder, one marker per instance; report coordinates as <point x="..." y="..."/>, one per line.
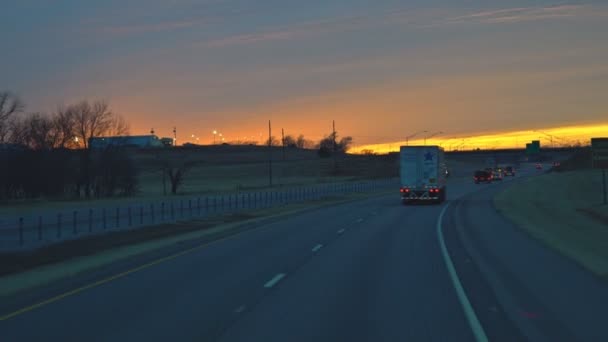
<point x="564" y="212"/>
<point x="547" y="296"/>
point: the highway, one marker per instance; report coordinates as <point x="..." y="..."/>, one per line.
<point x="370" y="270"/>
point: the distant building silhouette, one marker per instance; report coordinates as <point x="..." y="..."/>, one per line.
<point x="140" y="141"/>
<point x="167" y="142"/>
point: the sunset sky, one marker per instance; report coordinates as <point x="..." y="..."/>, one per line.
<point x="382" y="69"/>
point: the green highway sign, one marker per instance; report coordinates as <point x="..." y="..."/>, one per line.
<point x="599" y="150"/>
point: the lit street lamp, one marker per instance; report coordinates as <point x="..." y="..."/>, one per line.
<point x="214" y="134"/>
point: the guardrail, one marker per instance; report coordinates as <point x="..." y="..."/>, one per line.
<point x="34" y="231"/>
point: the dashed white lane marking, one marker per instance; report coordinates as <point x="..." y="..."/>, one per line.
<point x="360" y="220"/>
<point x="317" y="247"/>
<point x="240" y="309"/>
<point x="340" y="231"/>
<point x="272" y="282"/>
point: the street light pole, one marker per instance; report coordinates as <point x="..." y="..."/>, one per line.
<point x="407" y="139"/>
<point x="432" y="135"/>
<point x="269" y="154"/>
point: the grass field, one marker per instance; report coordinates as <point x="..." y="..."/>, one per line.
<point x="227" y="169"/>
<point x="563" y="210"/>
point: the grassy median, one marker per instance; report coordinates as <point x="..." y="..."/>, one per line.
<point x="563" y="210"/>
<point x="22" y="271"/>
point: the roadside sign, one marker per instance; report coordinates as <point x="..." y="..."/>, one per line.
<point x="533" y="148"/>
<point x="599" y="150"/>
<point x="599" y="157"/>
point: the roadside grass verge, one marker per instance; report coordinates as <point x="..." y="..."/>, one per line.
<point x="211" y="178"/>
<point x="563" y="210"/>
<point x="22" y="271"/>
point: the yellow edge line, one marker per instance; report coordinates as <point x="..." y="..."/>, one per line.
<point x="106" y="280"/>
<point x="103" y="281"/>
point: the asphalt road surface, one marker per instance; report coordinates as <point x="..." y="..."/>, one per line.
<point x="371" y="270"/>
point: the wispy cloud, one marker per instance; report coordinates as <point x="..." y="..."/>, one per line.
<point x="151" y="28"/>
<point x="301" y="30"/>
<point x="512" y="15"/>
<point x="318" y="27"/>
<point x="171" y="15"/>
<point x="415" y="19"/>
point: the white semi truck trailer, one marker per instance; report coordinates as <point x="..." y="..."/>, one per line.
<point x="423" y="174"/>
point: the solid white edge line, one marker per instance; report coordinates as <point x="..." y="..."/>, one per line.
<point x="272" y="282"/>
<point x="317" y="247"/>
<point x="478" y="332"/>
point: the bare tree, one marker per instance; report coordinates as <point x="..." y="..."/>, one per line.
<point x="302" y="142"/>
<point x="119" y="126"/>
<point x="93" y="120"/>
<point x="87" y="120"/>
<point x="40" y="132"/>
<point x="329" y="144"/>
<point x="344" y="144"/>
<point x="65" y="124"/>
<point x="17" y="131"/>
<point x="289" y="141"/>
<point x="368" y="152"/>
<point x="10" y="104"/>
<point x="175" y="171"/>
<point x="272" y="141"/>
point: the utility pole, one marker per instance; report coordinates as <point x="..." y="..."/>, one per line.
<point x="604" y="186"/>
<point x="164" y="180"/>
<point x="269" y="154"/>
<point x="174" y="136"/>
<point x="333" y="135"/>
<point x="283" y="140"/>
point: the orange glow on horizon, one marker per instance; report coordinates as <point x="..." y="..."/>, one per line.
<point x="549" y="137"/>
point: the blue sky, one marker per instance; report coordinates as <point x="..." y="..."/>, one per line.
<point x="381" y="69"/>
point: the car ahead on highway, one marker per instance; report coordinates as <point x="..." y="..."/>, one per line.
<point x="509" y="171"/>
<point x="482" y="176"/>
<point x="497" y="174"/>
<point x="539" y="166"/>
